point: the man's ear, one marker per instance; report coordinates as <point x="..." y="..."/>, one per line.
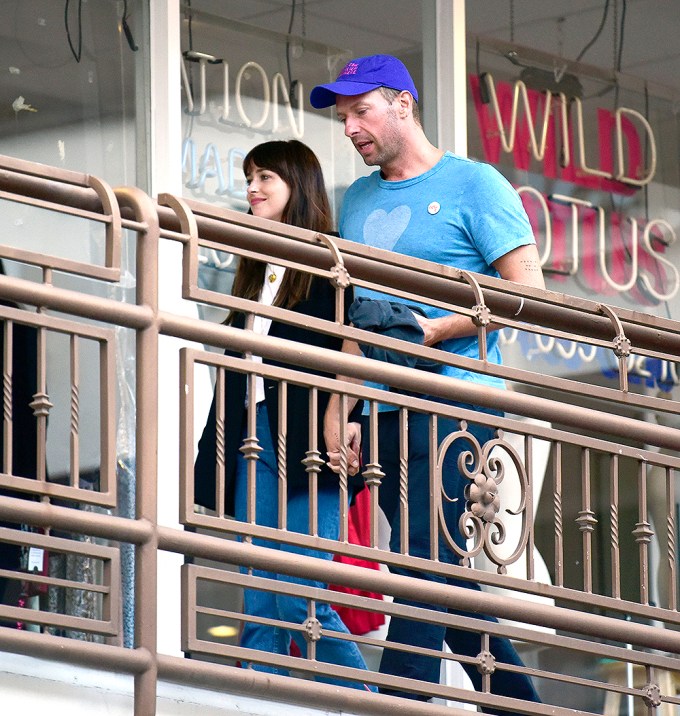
<point x="405" y="100"/>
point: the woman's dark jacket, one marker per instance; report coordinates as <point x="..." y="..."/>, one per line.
<point x="24" y="435"/>
<point x="320" y="304"/>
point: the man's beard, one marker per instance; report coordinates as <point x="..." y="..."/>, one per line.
<point x="390" y="146"/>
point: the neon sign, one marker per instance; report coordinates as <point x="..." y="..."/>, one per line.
<point x="610" y="252"/>
<point x="620" y="123"/>
<point x="270" y="89"/>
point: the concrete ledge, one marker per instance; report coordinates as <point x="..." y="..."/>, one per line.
<point x="31" y="686"/>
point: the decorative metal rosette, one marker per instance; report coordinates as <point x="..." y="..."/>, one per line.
<point x="481" y="524"/>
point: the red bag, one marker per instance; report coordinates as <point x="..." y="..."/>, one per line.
<point x="359" y="621"/>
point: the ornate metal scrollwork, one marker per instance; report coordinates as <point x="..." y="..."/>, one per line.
<point x="481" y="524"/>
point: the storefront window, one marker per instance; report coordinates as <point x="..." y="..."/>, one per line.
<point x="596" y="164"/>
<point x="247" y="75"/>
<point x="594" y="155"/>
<point x="71" y="79"/>
<point x="69" y="83"/>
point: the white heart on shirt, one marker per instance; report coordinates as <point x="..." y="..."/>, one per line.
<point x="383" y="230"/>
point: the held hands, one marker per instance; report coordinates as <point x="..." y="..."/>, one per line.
<point x="352" y="440"/>
<point x="352" y="436"/>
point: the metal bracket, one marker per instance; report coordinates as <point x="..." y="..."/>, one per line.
<point x="340" y="275"/>
<point x="312" y="629"/>
<point x="481" y="314"/>
<point x="651" y="695"/>
<point x="486" y="662"/>
<point x="188" y="227"/>
<point x="621" y="345"/>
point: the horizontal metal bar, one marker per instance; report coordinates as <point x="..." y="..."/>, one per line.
<point x="30" y="486"/>
<point x="58" y="620"/>
<point x="57" y="324"/>
<point x="565" y="595"/>
<point x="389" y="608"/>
<point x="60" y="208"/>
<point x="139" y="532"/>
<point x="508" y="424"/>
<point x="526" y="377"/>
<point x="58" y="544"/>
<point x="45" y="171"/>
<point x="419" y="381"/>
<point x="78" y="304"/>
<point x="275" y="689"/>
<point x="75" y="651"/>
<point x="13" y="509"/>
<point x="552" y="309"/>
<point x="543" y="307"/>
<point x="32" y="578"/>
<point x="461" y="598"/>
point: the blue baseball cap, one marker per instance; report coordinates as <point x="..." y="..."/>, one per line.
<point x="363" y="75"/>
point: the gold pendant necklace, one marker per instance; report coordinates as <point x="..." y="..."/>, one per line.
<point x="271" y="277"/>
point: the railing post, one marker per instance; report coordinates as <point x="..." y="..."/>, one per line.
<point x="146" y="434"/>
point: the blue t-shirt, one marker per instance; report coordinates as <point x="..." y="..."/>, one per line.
<point x="461" y="213"/>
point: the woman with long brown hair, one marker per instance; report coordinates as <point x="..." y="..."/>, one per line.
<point x="285" y="183"/>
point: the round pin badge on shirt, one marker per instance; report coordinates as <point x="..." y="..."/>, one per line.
<point x="433" y="208"/>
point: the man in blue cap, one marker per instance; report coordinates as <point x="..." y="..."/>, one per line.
<point x="429" y="204"/>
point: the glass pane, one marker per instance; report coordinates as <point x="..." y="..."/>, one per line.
<point x="70" y="82"/>
<point x="601" y="189"/>
<point x="69" y="88"/>
<point x="247" y="73"/>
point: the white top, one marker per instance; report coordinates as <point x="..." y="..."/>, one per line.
<point x="273" y="277"/>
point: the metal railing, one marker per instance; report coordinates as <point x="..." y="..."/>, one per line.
<point x="597" y="443"/>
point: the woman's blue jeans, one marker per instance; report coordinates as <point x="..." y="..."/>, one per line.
<point x="280" y="606"/>
<point x="422" y="634"/>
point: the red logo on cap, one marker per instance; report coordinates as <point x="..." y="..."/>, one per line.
<point x="349" y="69"/>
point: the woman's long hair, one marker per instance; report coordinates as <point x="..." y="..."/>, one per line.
<point x="307" y="207"/>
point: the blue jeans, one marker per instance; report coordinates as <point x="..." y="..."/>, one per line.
<point x="280" y="606"/>
<point x="422" y="634"/>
